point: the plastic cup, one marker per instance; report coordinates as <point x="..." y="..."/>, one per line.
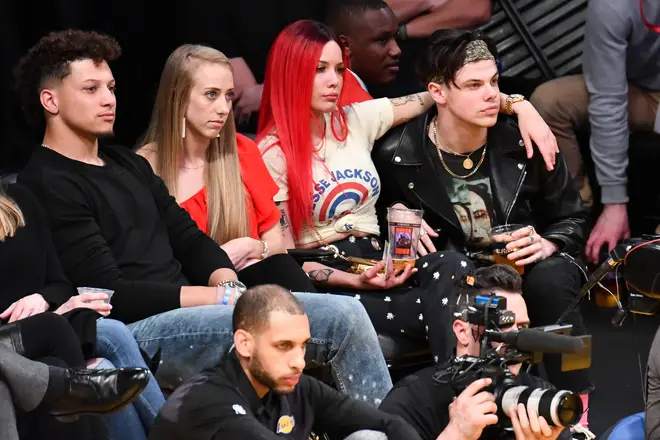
<point x="500" y="236"/>
<point x="403" y="227"/>
<point x="108" y="292"/>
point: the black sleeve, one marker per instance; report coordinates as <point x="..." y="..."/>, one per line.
<point x="57" y="289"/>
<point x="342" y="415"/>
<point x="198" y="254"/>
<point x="208" y="413"/>
<point x="421" y="403"/>
<point x="85" y="255"/>
<point x="559" y="209"/>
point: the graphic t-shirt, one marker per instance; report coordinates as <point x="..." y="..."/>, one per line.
<point x="346" y="183"/>
<point x="471" y="197"/>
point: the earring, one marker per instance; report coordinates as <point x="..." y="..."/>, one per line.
<point x="183" y="129"/>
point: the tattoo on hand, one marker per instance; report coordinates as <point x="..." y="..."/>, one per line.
<point x="320" y="276"/>
<point x="406" y="99"/>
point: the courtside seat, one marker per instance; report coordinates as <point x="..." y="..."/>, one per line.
<point x="629" y="428"/>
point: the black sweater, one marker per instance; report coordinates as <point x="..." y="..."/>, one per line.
<point x="117" y="227"/>
<point x="28" y="261"/>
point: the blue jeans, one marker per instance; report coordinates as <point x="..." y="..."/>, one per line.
<point x="115" y="343"/>
<point x="195" y="338"/>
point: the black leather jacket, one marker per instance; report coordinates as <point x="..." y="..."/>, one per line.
<point x="524" y="191"/>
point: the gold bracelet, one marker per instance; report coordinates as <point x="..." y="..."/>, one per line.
<point x="264" y="254"/>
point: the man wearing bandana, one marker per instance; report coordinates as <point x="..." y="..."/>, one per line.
<point x="466" y="169"/>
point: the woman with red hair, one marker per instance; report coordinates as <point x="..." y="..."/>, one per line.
<point x="319" y="156"/>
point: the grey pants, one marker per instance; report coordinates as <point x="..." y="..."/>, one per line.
<point x="367" y="435"/>
<point x="22" y="383"/>
<point x="652" y="418"/>
<point x="8" y="428"/>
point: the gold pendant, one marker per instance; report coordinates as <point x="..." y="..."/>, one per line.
<point x="468" y="164"/>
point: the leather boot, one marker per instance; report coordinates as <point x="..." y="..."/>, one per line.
<point x="99" y="391"/>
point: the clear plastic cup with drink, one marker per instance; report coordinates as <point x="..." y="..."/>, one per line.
<point x="403" y="227"/>
<point x="500" y="236"/>
<point x="109" y="293"/>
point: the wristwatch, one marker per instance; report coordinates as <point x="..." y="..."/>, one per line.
<point x="230" y="286"/>
<point x="510" y="100"/>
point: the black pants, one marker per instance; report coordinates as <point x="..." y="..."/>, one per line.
<point x="549" y="287"/>
<point x="49" y="338"/>
<point x="48" y="335"/>
<point x="280" y="269"/>
<point x="419" y="309"/>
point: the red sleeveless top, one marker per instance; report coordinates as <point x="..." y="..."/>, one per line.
<point x="263" y="214"/>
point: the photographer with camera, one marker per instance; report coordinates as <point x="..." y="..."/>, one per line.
<point x="439" y="405"/>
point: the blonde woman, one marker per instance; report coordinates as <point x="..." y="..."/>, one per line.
<point x="217" y="175"/>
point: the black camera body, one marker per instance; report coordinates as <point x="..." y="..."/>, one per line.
<point x="642" y="259"/>
<point x="558" y="407"/>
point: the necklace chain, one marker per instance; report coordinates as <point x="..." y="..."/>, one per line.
<point x="442" y="160"/>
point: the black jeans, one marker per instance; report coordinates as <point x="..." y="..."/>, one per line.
<point x="49" y="335"/>
<point x="549" y="287"/>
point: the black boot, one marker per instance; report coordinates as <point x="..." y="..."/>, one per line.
<point x="99" y="391"/>
<point x="10" y="337"/>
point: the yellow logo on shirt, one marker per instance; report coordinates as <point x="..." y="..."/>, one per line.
<point x="285" y="425"/>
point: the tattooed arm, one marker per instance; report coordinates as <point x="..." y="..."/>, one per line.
<point x="409" y="107"/>
<point x="322" y="275"/>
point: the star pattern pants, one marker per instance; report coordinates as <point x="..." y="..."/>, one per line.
<point x="419" y="309"/>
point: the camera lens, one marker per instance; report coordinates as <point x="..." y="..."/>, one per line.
<point x="557" y="407"/>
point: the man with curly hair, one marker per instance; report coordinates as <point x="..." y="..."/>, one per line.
<point x="116" y="226"/>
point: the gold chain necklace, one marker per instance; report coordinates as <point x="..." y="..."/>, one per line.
<point x="467" y="163"/>
<point x="451" y="173"/>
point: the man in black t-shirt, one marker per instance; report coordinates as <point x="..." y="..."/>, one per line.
<point x="436" y="410"/>
<point x="259" y="391"/>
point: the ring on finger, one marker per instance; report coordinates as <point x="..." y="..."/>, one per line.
<point x="532" y="238"/>
<point x="422" y="232"/>
<point x="531" y="230"/>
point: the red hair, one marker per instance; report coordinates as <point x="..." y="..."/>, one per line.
<point x="286" y="109"/>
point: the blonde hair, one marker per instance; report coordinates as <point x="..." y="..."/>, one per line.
<point x="11" y="217"/>
<point x="226" y="194"/>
